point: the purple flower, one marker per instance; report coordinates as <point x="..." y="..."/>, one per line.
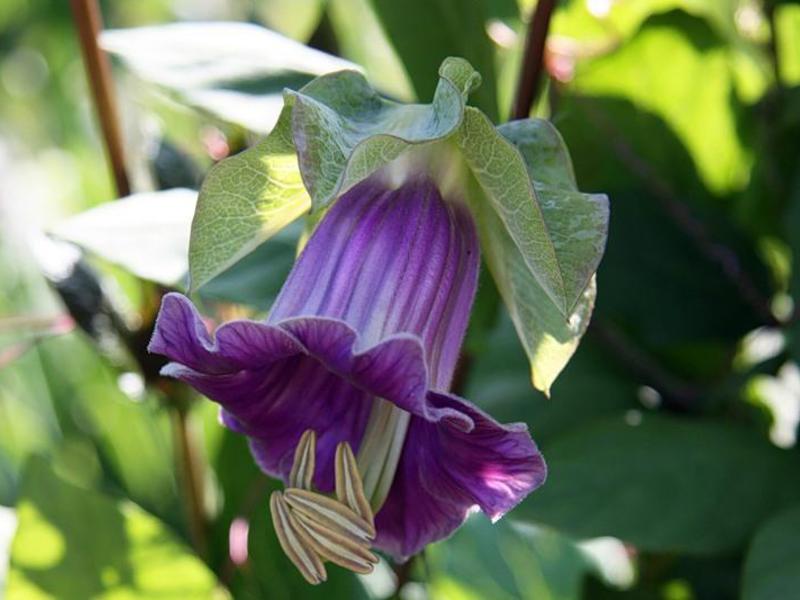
<point x="360" y="347"/>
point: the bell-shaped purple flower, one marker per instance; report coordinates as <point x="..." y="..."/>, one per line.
<point x="360" y="347"/>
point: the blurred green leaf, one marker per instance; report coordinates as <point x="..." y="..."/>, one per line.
<point x="425" y="32"/>
<point x="132" y="434"/>
<point x="147" y="234"/>
<point x="772" y="567"/>
<point x="787" y="32"/>
<point x="362" y="40"/>
<point x="234" y="71"/>
<point x="590" y="387"/>
<point x="76" y="543"/>
<point x="296" y="19"/>
<point x="793" y="235"/>
<point x="703" y="117"/>
<point x="663" y="484"/>
<point x="506" y="561"/>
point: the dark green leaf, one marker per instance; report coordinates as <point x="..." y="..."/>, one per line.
<point x="664" y="484"/>
<point x="772" y="568"/>
<point x="425" y="32"/>
<point x="506" y="561"/>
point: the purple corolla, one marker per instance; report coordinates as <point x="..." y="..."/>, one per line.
<point x="359" y="349"/>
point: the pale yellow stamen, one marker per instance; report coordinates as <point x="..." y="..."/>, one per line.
<point x="345" y="551"/>
<point x="349" y="488"/>
<point x="329" y="513"/>
<point x="302" y="473"/>
<point x="312" y="527"/>
<point x="286" y="528"/>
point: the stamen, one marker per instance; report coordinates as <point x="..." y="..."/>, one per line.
<point x="287" y="528"/>
<point x="346" y="551"/>
<point x="380" y="450"/>
<point x="312" y="527"/>
<point x="302" y="472"/>
<point x="349" y="488"/>
<point x="329" y="513"/>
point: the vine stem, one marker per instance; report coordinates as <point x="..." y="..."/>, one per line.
<point x="89" y="23"/>
<point x="191" y="474"/>
<point x="530" y="74"/>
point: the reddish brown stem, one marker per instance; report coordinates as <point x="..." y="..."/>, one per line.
<point x="88" y="22"/>
<point x="533" y="59"/>
<point x="191" y="471"/>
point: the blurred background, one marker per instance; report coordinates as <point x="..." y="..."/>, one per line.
<point x="670" y="437"/>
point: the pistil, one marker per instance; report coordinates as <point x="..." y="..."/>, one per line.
<point x="380" y="450"/>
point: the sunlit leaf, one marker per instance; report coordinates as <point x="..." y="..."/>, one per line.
<point x="702" y="116"/>
<point x="234" y="71"/>
<point x="296" y="19"/>
<point x="577" y="223"/>
<point x="248" y="197"/>
<point x="559" y="233"/>
<point x="245" y="200"/>
<point x="772" y="566"/>
<point x="77" y="543"/>
<point x="506" y="561"/>
<point x="663" y="484"/>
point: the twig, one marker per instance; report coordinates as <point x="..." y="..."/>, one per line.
<point x="533" y="59"/>
<point x="88" y="21"/>
<point x="679" y="394"/>
<point x="192" y="478"/>
<point x="725" y="258"/>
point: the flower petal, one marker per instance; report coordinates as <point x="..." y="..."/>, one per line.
<point x="445" y="472"/>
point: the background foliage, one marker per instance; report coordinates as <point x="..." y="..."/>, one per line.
<point x="671" y="434"/>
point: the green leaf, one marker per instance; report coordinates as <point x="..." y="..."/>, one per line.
<point x="234" y="71"/>
<point x="793" y="234"/>
<point x="505" y="561"/>
<point x="787" y="25"/>
<point x="73" y="543"/>
<point x="704" y="118"/>
<point x="257" y="279"/>
<point x="244" y="200"/>
<point x="559" y="233"/>
<point x="579" y="221"/>
<point x="362" y="40"/>
<point x="590" y="387"/>
<point x="772" y="566"/>
<point x="426" y="32"/>
<point x="344" y="131"/>
<point x="147" y="234"/>
<point x="663" y="484"/>
<point x="296" y="19"/>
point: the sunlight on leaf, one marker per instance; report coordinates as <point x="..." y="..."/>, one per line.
<point x="126" y="553"/>
<point x="234" y="71"/>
